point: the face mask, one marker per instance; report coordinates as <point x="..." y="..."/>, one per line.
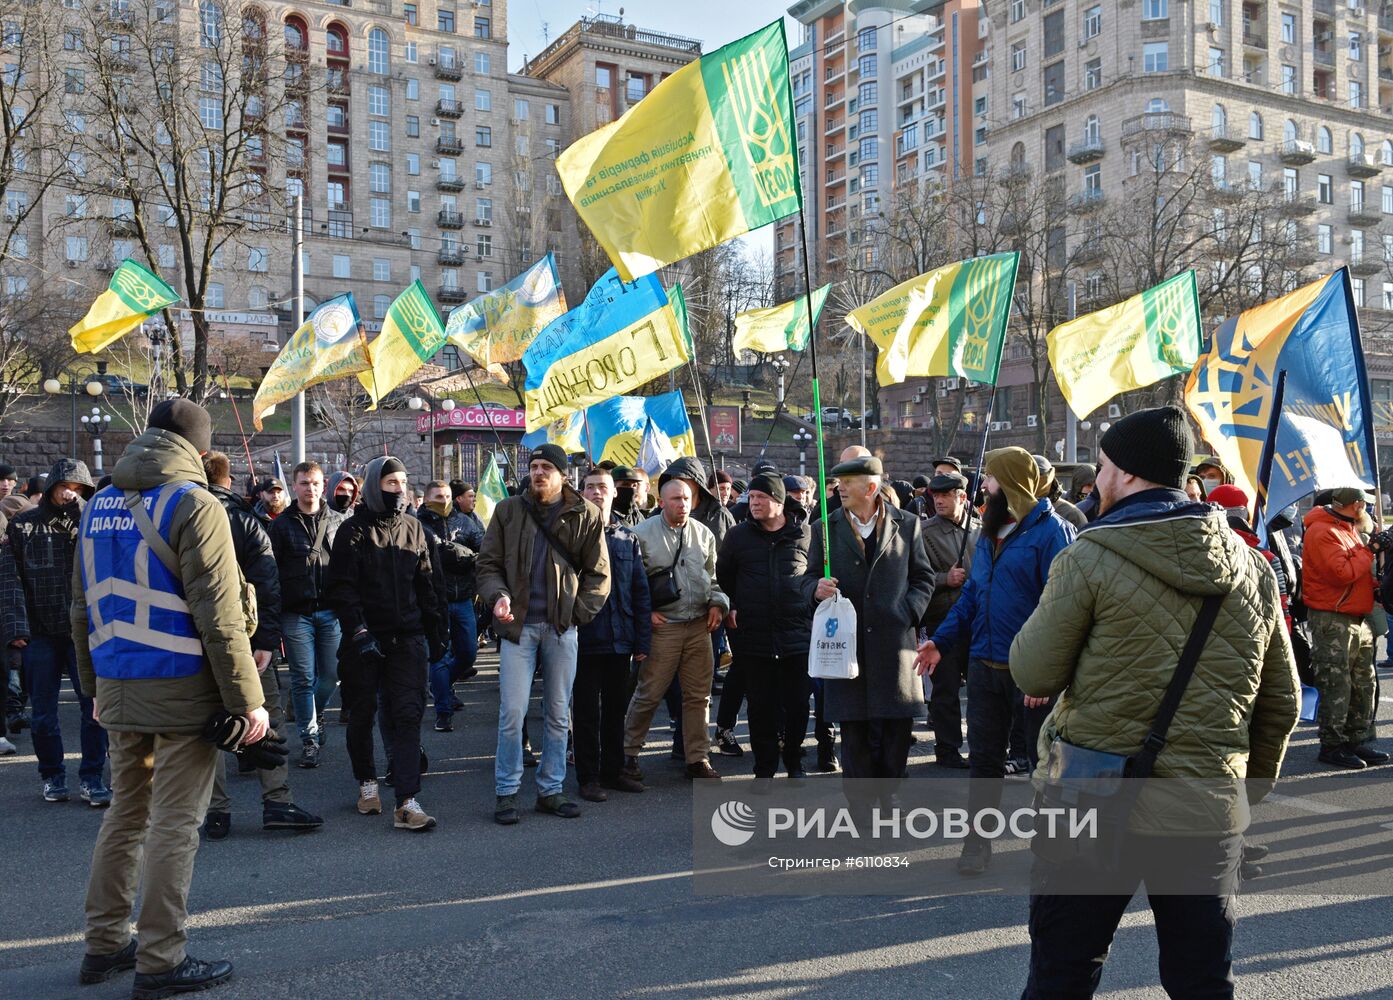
<point x="342" y="502"/>
<point x="623" y="499"/>
<point x="441" y="507"/>
<point x="1210" y="485"/>
<point x="395" y="503"/>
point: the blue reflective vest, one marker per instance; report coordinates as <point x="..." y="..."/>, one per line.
<point x="138" y="623"/>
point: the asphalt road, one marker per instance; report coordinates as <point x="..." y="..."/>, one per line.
<point x="598" y="906"/>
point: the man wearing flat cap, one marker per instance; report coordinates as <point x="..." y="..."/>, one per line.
<point x="878" y="561"/>
<point x="1337" y="584"/>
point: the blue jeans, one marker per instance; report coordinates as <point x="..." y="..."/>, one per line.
<point x="538" y="644"/>
<point x="312" y="647"/>
<point x="46" y="659"/>
<point x="464" y="650"/>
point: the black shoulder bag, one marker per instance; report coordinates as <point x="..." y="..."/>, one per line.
<point x="662" y="585"/>
<point x="1081" y="779"/>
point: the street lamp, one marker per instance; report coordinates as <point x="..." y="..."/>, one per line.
<point x="780" y="366"/>
<point x="802" y="438"/>
<point x="430" y="406"/>
<point x="91" y="387"/>
<point x="94" y="423"/>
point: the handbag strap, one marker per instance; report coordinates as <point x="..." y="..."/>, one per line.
<point x="135" y="503"/>
<point x="1143" y="762"/>
<point x="552" y="540"/>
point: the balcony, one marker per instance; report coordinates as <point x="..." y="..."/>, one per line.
<point x="122" y="227"/>
<point x="1365" y="265"/>
<point x="1014" y="173"/>
<point x="451" y="183"/>
<point x="449" y="145"/>
<point x="448" y="218"/>
<point x="1362" y="165"/>
<point x="833" y="101"/>
<point x="448" y="109"/>
<point x="1230" y="191"/>
<point x="451" y="293"/>
<point x="1087" y="201"/>
<point x="1167" y="122"/>
<point x="450" y="256"/>
<point x="1225" y="140"/>
<point x="1086" y="151"/>
<point x="1254" y="39"/>
<point x="1296" y="152"/>
<point x="1298" y="205"/>
<point x="1364" y="215"/>
<point x="833" y="127"/>
<point x="1324" y="57"/>
<point x="448" y="71"/>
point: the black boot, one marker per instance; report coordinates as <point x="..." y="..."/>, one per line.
<point x="188" y="976"/>
<point x="826" y="758"/>
<point x="100" y="968"/>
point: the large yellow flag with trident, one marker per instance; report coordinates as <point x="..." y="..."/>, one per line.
<point x="707" y="156"/>
<point x="133" y="296"/>
<point x="329" y="345"/>
<point x="411" y="335"/>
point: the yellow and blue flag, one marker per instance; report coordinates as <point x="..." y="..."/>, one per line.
<point x="613" y="430"/>
<point x="622" y="336"/>
<point x="1325" y="430"/>
<point x="497" y="328"/>
<point x="329" y="345"/>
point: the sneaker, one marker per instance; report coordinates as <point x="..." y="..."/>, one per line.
<point x="56" y="788"/>
<point x="976" y="856"/>
<point x="951" y="758"/>
<point x="1339" y="756"/>
<point x="94" y="792"/>
<point x="592" y="792"/>
<point x="505" y="810"/>
<point x="7" y="749"/>
<point x="218" y="825"/>
<point x="99" y="968"/>
<point x="623" y="783"/>
<point x="309" y="754"/>
<point x="727" y="744"/>
<point x="726" y="659"/>
<point x="443" y="724"/>
<point x="1369" y="755"/>
<point x="529" y="759"/>
<point x="287" y="816"/>
<point x="1255" y="852"/>
<point x="631" y="769"/>
<point x="412" y="817"/>
<point x="557" y="805"/>
<point x="1017" y="767"/>
<point x="826" y="759"/>
<point x="189" y="976"/>
<point x="369" y="802"/>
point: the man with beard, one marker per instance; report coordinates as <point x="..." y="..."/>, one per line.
<point x="342" y="492"/>
<point x="382" y="584"/>
<point x="458" y="546"/>
<point x="1154" y="574"/>
<point x="271" y="501"/>
<point x="36" y="573"/>
<point x="1337" y="583"/>
<point x="1021" y="535"/>
<point x="544" y="550"/>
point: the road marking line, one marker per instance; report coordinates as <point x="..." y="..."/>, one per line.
<point x="1305" y="805"/>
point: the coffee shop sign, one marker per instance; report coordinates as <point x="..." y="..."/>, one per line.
<point x="474" y="417"/>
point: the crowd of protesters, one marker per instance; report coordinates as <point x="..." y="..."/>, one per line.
<point x="1035" y="611"/>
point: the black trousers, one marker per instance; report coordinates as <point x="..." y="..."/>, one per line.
<point x="733" y="692"/>
<point x="401" y="682"/>
<point x="598" y="704"/>
<point x="991" y="695"/>
<point x="1070" y="934"/>
<point x="877" y="748"/>
<point x="777" y="690"/>
<point x="945" y="701"/>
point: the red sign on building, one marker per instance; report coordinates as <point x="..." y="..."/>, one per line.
<point x="472" y="418"/>
<point x="724" y="424"/>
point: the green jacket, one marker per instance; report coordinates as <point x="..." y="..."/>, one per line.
<point x="1107" y="636"/>
<point x="213" y="587"/>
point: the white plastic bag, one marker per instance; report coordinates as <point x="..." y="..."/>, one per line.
<point x="833" y="652"/>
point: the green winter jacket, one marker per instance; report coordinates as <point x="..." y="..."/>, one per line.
<point x="1106" y="638"/>
<point x="201" y="537"/>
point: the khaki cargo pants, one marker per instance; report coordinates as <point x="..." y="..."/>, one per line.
<point x="682" y="649"/>
<point x="164" y="781"/>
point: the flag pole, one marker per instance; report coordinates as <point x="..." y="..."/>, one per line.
<point x="981" y="457"/>
<point x="488" y="417"/>
<point x="701" y="408"/>
<point x="817" y="406"/>
<point x="241" y="428"/>
<point x="1269" y="452"/>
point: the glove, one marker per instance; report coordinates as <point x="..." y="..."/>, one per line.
<point x="225" y="731"/>
<point x="369" y="652"/>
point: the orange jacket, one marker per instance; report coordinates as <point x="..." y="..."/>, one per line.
<point x="1336" y="567"/>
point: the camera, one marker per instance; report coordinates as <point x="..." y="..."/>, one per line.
<point x="1382" y="541"/>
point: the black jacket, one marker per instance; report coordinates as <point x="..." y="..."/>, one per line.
<point x="763" y="574"/>
<point x="624" y="624"/>
<point x="36" y="560"/>
<point x="381" y="574"/>
<point x="258" y="562"/>
<point x="457" y="555"/>
<point x="302" y="571"/>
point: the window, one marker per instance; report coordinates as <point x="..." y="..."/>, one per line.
<point x="378" y="47"/>
<point x="1092" y="131"/>
<point x="337" y="154"/>
<point x="1054" y="83"/>
<point x="1291" y="182"/>
<point x="1356" y="246"/>
<point x="343" y="265"/>
<point x="520" y="109"/>
<point x="483" y="136"/>
<point x="1254" y="125"/>
<point x="1093" y="180"/>
<point x="377" y="101"/>
<point x="381" y="269"/>
<point x="19" y="247"/>
<point x="447" y="170"/>
<point x="380" y="305"/>
<point x="75" y="247"/>
<point x="1017" y="56"/>
<point x="1325" y="239"/>
<point x="1054" y="34"/>
<point x="75" y="206"/>
<point x="865" y="40"/>
<point x="483" y="173"/>
<point x="1289" y="29"/>
<point x="1093" y="21"/>
<point x="209" y="24"/>
<point x="1154" y="10"/>
<point x="258" y="259"/>
<point x="1356" y="94"/>
<point x="1054" y="147"/>
<point x="1356" y="46"/>
<point x="336" y="116"/>
<point x="1356" y="144"/>
<point x="1289" y="80"/>
<point x="1356" y="196"/>
<point x="481" y="63"/>
<point x="1385" y="152"/>
<point x="1386" y="200"/>
<point x="379" y="178"/>
<point x="483" y="100"/>
<point x="210" y="112"/>
<point x="380" y="213"/>
<point x="335" y="194"/>
<point x="1093" y="74"/>
<point x="72" y="41"/>
<point x="1216" y="11"/>
<point x="1325" y="189"/>
<point x="213" y="295"/>
<point x="1216" y="62"/>
<point x="1323" y="141"/>
<point x="377" y="137"/>
<point x="74" y="80"/>
<point x="413" y="203"/>
<point x="1017" y="11"/>
<point x="165" y="255"/>
<point x="414" y="236"/>
<point x="483" y="209"/>
<point x="1254" y="175"/>
<point x="413" y="126"/>
<point x="869" y="121"/>
<point x="483" y="245"/>
<point x="1018" y="106"/>
<point x="482" y="28"/>
<point x="413" y="164"/>
<point x="1155" y="57"/>
<point x="483" y="281"/>
<point x="866" y="93"/>
<point x="1218" y="170"/>
<point x="1356" y="287"/>
<point x="1388" y="247"/>
<point x="444" y="19"/>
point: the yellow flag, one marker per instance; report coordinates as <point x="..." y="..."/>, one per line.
<point x="133" y="295"/>
<point x="411" y="335"/>
<point x="779" y="328"/>
<point x="329" y="345"/>
<point x="707" y="156"/>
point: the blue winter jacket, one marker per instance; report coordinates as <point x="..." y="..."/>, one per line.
<point x="1005" y="585"/>
<point x="623" y="624"/>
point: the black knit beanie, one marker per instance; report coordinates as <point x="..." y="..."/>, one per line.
<point x="187" y="419"/>
<point x="1154" y="445"/>
<point x="390" y="466"/>
<point x="771" y="484"/>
